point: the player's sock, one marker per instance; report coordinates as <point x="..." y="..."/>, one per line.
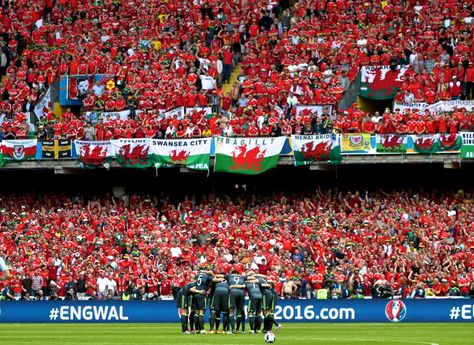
<point x="192" y="316"/>
<point x="243" y="322"/>
<point x="184" y="322"/>
<point x="252" y="322"/>
<point x="273" y="321"/>
<point x="266" y="323"/>
<point x="239" y="320"/>
<point x="225" y="321"/>
<point x="232" y="322"/>
<point x="201" y="322"/>
<point x="212" y="320"/>
<point x="258" y="322"/>
<point x="218" y="320"/>
<point x="197" y="326"/>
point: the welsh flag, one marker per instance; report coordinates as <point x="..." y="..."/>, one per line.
<point x="94" y="154"/>
<point x="451" y="142"/>
<point x="391" y="143"/>
<point x="247" y="155"/>
<point x="191" y="153"/>
<point x="19" y="150"/>
<point x="133" y="153"/>
<point x="381" y="82"/>
<point x="425" y="144"/>
<point x="311" y="148"/>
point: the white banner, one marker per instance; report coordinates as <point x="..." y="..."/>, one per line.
<point x="179" y="112"/>
<point x="435" y="107"/>
<point x="93" y="152"/>
<point x="315" y="109"/>
<point x="112" y="115"/>
<point x="193" y="153"/>
<point x="467" y="138"/>
<point x="207" y="110"/>
<point x="44" y="105"/>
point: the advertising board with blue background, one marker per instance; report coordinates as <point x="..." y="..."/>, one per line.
<point x="443" y="310"/>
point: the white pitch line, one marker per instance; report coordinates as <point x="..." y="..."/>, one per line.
<point x="373" y="340"/>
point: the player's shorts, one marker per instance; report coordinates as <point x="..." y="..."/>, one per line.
<point x="182" y="301"/>
<point x="255" y="305"/>
<point x="200" y="302"/>
<point x="236" y="299"/>
<point x="220" y="301"/>
<point x="268" y="300"/>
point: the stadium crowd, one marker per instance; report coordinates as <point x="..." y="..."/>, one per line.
<point x="321" y="244"/>
<point x="164" y="55"/>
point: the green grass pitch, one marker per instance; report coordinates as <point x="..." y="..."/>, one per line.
<point x="298" y="334"/>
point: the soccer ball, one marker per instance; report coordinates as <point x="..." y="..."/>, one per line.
<point x="269" y="337"/>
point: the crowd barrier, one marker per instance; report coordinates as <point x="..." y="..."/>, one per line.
<point x="446" y="310"/>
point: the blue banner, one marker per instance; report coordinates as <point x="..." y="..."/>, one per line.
<point x="446" y="310"/>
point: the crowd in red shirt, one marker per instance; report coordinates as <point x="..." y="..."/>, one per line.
<point x="400" y="239"/>
<point x="160" y="52"/>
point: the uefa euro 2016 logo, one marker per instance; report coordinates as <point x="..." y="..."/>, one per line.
<point x="395" y="310"/>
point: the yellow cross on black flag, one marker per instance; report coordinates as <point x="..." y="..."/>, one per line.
<point x="56" y="149"/>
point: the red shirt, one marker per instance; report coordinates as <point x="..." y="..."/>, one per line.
<point x="165" y="287"/>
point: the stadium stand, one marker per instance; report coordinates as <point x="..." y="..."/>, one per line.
<point x="179" y="54"/>
<point x="321" y="244"/>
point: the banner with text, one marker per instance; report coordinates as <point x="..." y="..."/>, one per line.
<point x="357" y="143"/>
<point x="191" y="153"/>
<point x="94" y="153"/>
<point x="308" y="149"/>
<point x="441" y="106"/>
<point x="249" y="156"/>
<point x="56" y="149"/>
<point x="132" y="153"/>
<point x="314" y="311"/>
<point x="18" y="150"/>
<point x="467" y="149"/>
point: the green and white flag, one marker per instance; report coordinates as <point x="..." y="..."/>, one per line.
<point x="450" y="142"/>
<point x="391" y="143"/>
<point x="133" y="153"/>
<point x="467" y="149"/>
<point x="93" y="154"/>
<point x="249" y="156"/>
<point x="313" y="148"/>
<point x="19" y="150"/>
<point x="425" y="144"/>
<point x="191" y="153"/>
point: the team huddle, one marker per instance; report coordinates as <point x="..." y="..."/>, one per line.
<point x="225" y="294"/>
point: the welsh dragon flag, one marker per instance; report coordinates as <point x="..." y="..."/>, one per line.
<point x="311" y="148"/>
<point x="247" y="155"/>
<point x="133" y="153"/>
<point x="93" y="154"/>
<point x="191" y="153"/>
<point x="450" y="142"/>
<point x="391" y="143"/>
<point x="19" y="150"/>
<point x="381" y="82"/>
<point x="425" y="144"/>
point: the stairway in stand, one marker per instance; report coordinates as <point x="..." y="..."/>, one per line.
<point x="233" y="77"/>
